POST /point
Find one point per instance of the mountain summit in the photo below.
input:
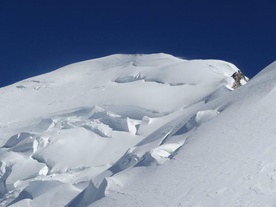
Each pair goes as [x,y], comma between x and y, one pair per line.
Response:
[139,130]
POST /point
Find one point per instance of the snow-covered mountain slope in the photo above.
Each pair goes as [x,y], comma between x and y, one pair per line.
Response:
[228,160]
[139,130]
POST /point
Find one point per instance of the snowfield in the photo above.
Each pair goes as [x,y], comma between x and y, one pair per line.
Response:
[139,130]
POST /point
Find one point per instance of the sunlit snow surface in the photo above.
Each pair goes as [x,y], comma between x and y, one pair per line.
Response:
[139,130]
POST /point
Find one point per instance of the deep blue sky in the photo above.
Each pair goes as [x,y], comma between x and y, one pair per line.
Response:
[39,36]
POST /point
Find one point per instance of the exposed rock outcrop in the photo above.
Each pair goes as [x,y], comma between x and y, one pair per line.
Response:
[238,76]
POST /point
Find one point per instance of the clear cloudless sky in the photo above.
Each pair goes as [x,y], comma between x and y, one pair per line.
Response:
[40,36]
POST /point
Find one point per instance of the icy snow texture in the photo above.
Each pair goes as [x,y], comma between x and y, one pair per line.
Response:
[139,130]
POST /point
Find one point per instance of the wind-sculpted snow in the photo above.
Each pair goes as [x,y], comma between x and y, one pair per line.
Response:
[228,158]
[89,133]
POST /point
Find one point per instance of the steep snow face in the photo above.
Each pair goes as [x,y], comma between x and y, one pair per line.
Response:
[227,159]
[92,129]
